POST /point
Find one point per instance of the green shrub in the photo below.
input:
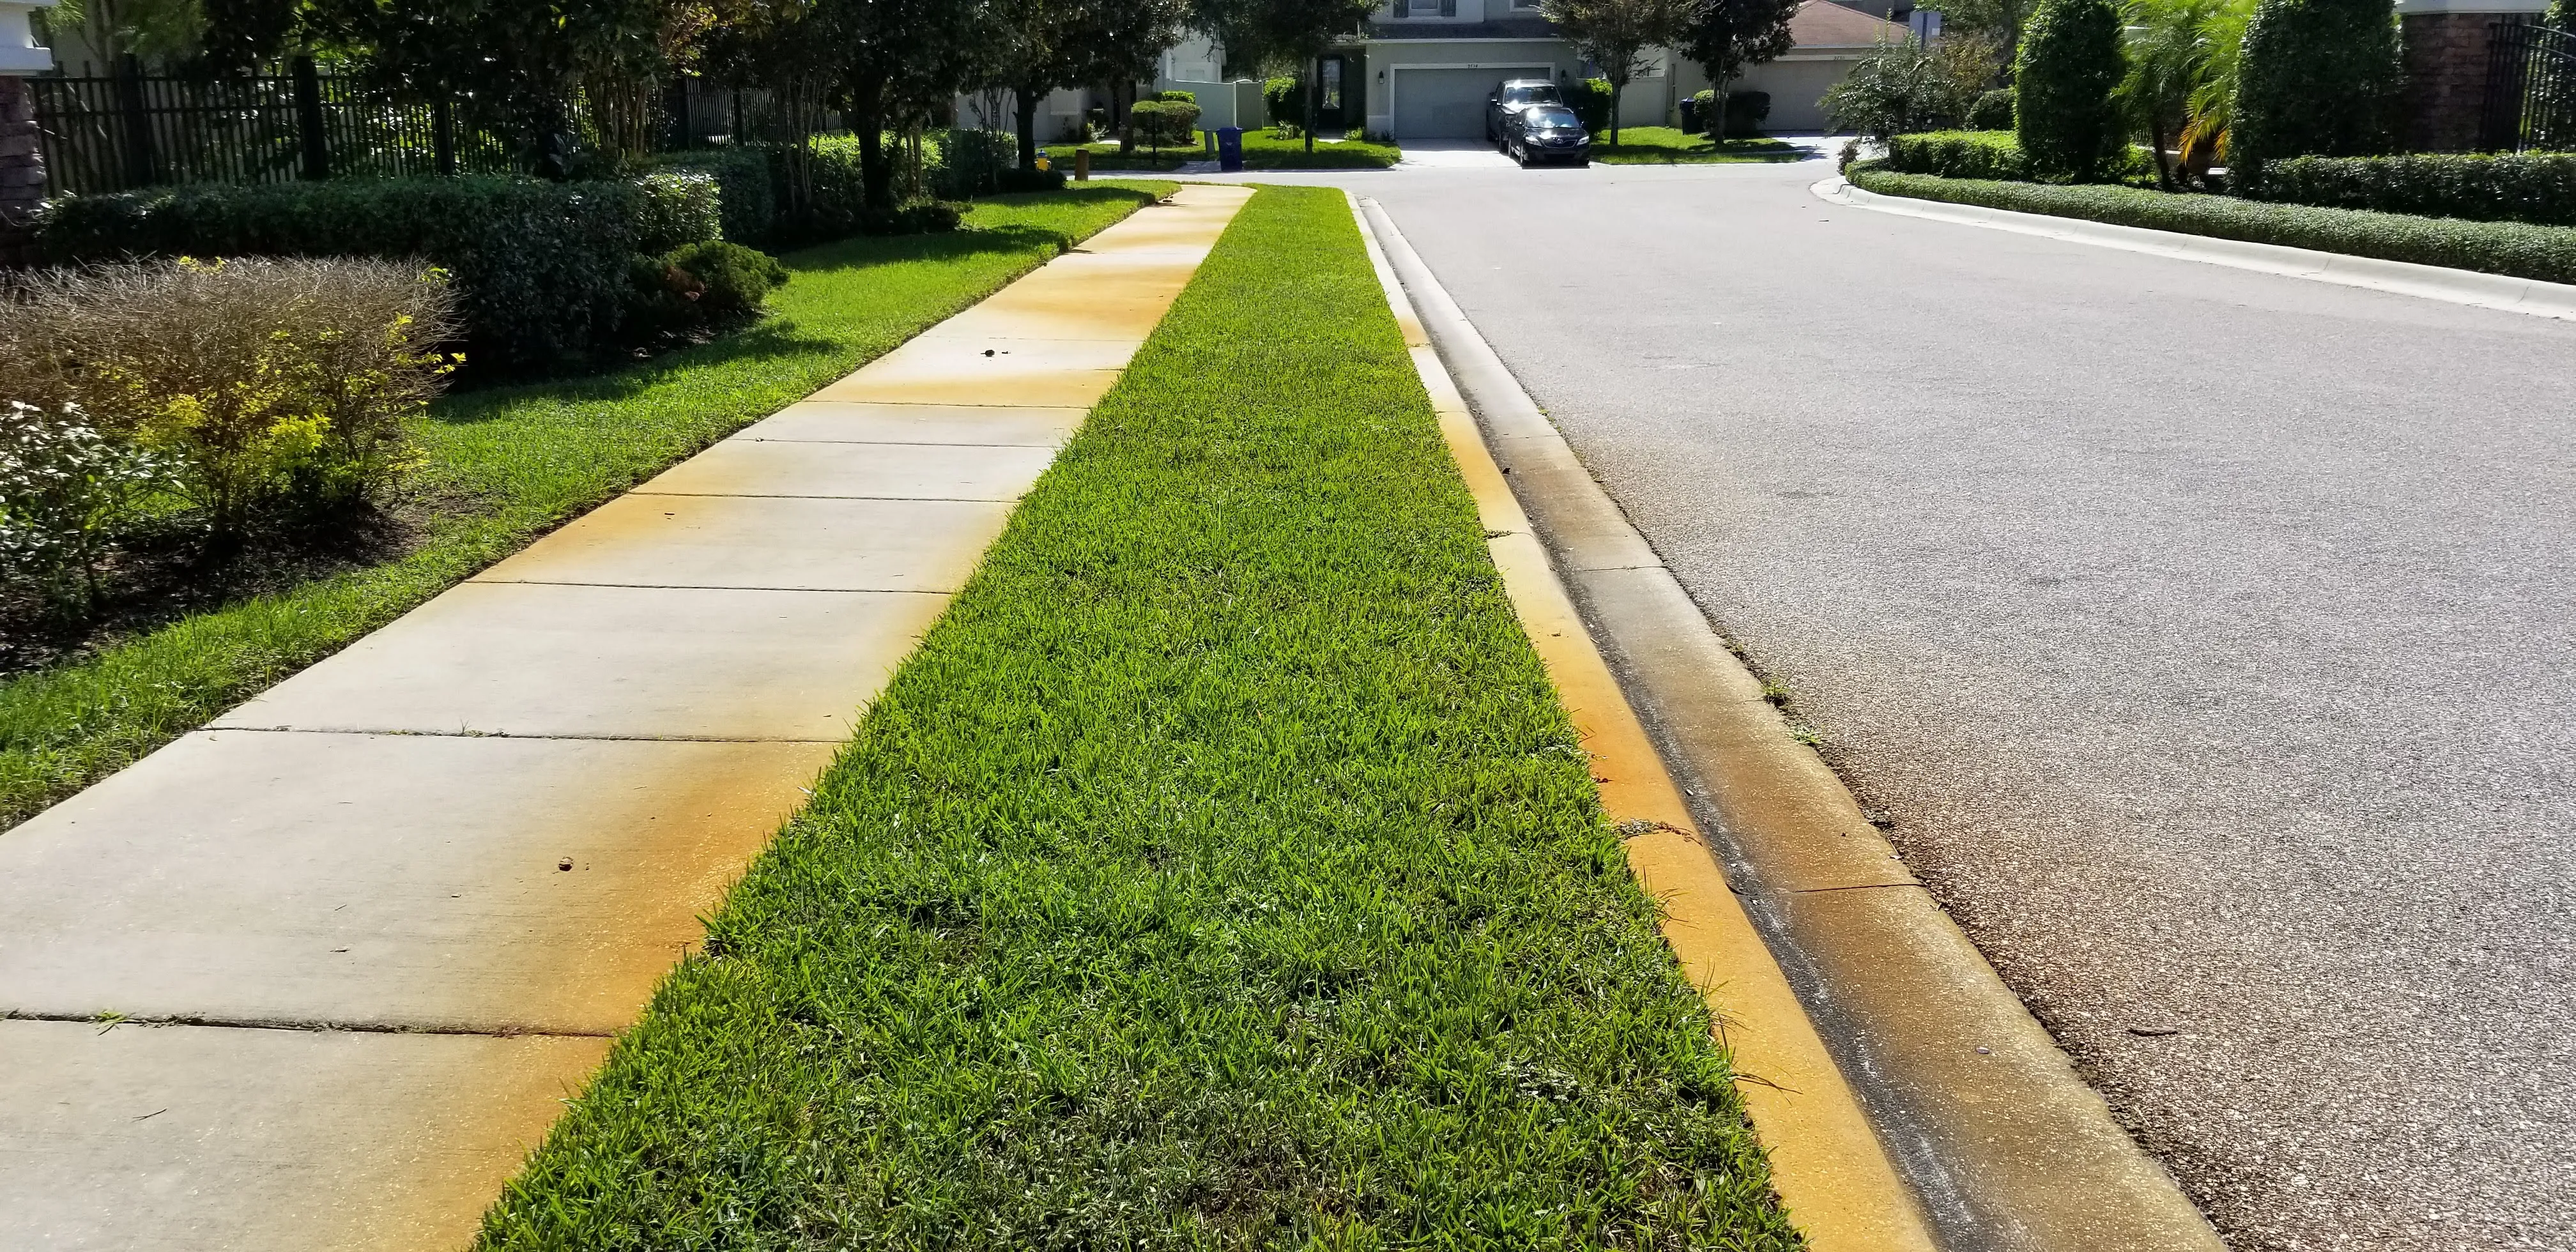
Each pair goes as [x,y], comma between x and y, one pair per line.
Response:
[732,279]
[1166,123]
[2070,63]
[539,269]
[1177,97]
[2537,187]
[2314,77]
[66,493]
[1591,100]
[972,163]
[1959,154]
[1901,88]
[1746,111]
[267,387]
[1992,111]
[2547,253]
[679,207]
[1990,154]
[1285,99]
[747,202]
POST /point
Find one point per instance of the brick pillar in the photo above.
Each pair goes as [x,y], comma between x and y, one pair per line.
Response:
[22,171]
[2446,68]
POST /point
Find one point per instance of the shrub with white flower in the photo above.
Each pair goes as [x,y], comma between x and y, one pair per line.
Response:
[65,492]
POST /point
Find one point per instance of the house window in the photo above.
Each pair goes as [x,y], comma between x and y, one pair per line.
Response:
[1333,83]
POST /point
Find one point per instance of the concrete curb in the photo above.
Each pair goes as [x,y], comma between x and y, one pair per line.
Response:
[2004,1144]
[2431,282]
[1826,1163]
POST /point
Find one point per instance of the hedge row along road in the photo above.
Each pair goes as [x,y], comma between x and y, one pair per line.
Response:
[1220,872]
[507,464]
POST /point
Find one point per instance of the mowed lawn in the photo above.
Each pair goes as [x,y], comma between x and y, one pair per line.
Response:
[505,465]
[1221,872]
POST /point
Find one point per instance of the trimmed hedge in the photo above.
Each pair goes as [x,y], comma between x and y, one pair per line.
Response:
[2517,249]
[2539,188]
[1591,100]
[746,189]
[2069,64]
[540,269]
[2315,78]
[1992,111]
[1990,154]
[1285,100]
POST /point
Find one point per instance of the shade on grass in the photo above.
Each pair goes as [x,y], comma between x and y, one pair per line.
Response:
[1220,872]
[507,464]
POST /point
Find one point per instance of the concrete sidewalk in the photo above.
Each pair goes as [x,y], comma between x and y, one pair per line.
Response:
[391,912]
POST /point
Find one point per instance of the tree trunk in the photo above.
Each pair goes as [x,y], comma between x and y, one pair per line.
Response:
[1717,104]
[867,122]
[1618,88]
[1314,97]
[2156,136]
[1025,115]
[1122,94]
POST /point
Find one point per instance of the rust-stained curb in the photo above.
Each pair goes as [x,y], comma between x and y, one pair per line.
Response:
[1826,1163]
[2003,1144]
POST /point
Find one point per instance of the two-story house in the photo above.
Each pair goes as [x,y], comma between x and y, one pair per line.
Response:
[1421,69]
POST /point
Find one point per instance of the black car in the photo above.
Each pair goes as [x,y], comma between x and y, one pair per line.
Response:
[1509,98]
[1546,132]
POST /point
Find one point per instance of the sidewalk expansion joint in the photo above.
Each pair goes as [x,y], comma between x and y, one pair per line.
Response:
[503,734]
[820,591]
[108,1023]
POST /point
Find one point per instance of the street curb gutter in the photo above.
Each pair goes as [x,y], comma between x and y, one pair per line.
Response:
[2431,282]
[2004,1144]
[1826,1163]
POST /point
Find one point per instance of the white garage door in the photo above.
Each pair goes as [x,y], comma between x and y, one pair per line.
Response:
[1444,104]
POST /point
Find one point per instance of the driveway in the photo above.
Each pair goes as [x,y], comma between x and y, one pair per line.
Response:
[2208,637]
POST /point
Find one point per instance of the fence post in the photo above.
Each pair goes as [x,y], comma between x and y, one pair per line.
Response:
[308,119]
[141,170]
[442,136]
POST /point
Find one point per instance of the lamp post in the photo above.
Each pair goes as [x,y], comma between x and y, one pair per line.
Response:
[22,160]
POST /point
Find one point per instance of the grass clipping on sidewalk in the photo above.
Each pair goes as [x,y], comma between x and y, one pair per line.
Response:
[1221,872]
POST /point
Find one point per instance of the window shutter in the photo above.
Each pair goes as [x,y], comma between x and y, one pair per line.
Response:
[1448,8]
[1403,9]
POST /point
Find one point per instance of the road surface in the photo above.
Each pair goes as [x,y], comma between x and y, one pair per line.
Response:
[2209,638]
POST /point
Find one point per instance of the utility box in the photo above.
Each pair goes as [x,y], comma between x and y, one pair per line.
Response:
[1229,149]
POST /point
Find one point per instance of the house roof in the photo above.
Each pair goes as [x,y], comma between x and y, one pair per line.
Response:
[1825,24]
[1531,26]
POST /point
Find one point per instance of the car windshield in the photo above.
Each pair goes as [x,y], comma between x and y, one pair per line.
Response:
[1535,93]
[1550,118]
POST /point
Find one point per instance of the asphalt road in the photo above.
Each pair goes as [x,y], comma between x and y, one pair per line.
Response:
[2210,638]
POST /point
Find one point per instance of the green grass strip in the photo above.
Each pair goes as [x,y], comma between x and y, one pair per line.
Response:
[2547,253]
[1261,151]
[512,463]
[1221,872]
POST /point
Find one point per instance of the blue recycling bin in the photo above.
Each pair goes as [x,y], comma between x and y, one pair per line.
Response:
[1229,149]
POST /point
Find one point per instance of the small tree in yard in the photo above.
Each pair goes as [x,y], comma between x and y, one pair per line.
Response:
[1726,36]
[1904,87]
[2314,76]
[2071,62]
[1293,32]
[1615,34]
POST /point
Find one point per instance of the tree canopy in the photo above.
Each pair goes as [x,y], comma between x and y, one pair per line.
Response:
[1615,35]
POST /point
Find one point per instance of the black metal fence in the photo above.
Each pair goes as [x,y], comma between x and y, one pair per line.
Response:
[2531,89]
[132,129]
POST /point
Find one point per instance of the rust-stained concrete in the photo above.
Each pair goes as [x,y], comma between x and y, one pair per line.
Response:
[377,847]
[194,1139]
[1836,1179]
[395,881]
[2003,1144]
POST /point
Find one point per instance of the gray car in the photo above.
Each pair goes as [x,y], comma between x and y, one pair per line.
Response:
[1510,97]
